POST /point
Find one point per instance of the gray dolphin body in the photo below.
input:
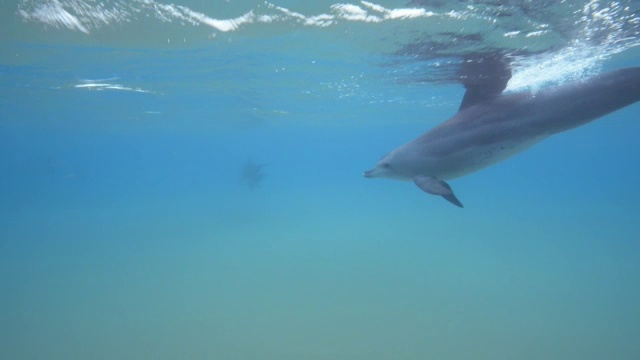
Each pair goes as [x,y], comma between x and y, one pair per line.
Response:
[493,128]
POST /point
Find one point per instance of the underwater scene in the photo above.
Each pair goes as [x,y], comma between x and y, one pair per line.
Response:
[244,180]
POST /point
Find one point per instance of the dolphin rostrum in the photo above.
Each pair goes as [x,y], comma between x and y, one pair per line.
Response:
[491,126]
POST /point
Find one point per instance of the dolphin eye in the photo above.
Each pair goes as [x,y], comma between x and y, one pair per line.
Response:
[386,165]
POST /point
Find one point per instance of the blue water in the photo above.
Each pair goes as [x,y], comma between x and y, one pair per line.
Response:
[126,231]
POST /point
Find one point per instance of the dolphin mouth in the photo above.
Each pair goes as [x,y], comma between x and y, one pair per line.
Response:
[369,173]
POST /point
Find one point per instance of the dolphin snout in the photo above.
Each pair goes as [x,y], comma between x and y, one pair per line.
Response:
[369,173]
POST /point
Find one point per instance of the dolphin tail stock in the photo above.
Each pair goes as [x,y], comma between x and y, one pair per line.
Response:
[435,186]
[611,91]
[580,102]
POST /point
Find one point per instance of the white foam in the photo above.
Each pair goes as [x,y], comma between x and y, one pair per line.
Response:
[85,84]
[583,56]
[536,33]
[54,14]
[221,25]
[354,13]
[85,16]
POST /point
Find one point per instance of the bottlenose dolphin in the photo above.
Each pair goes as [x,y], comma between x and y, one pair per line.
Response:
[252,174]
[491,126]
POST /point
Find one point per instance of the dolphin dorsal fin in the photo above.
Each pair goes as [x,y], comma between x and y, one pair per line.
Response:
[484,76]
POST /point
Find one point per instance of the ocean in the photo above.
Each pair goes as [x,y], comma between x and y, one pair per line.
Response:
[183,180]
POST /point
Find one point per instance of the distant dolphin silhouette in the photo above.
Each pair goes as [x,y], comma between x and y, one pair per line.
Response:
[252,174]
[491,126]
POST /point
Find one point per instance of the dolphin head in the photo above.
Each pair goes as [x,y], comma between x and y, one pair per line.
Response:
[380,170]
[394,165]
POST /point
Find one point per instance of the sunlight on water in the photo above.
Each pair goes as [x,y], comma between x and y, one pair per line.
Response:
[89,16]
[570,43]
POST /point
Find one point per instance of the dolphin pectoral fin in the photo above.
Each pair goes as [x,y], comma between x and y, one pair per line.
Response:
[453,199]
[434,186]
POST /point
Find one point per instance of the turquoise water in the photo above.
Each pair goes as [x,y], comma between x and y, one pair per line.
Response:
[126,231]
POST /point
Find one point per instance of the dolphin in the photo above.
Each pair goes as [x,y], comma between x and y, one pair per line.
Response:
[252,174]
[491,126]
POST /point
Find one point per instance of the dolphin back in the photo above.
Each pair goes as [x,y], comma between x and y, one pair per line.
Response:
[615,90]
[580,102]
